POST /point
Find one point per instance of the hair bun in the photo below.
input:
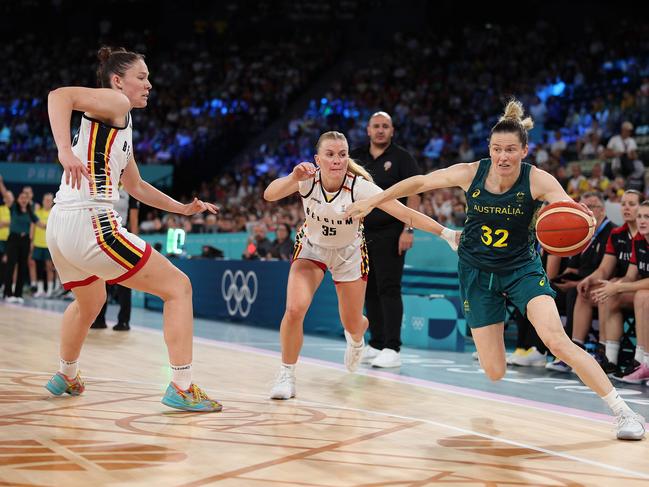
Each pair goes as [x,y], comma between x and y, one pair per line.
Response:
[106,52]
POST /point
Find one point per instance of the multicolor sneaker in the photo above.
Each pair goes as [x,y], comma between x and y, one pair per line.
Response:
[638,376]
[559,366]
[528,358]
[193,399]
[60,383]
[509,357]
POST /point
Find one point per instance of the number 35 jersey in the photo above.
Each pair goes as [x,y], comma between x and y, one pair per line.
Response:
[499,233]
[325,224]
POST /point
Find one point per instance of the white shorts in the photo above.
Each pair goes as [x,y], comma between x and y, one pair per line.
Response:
[87,244]
[346,264]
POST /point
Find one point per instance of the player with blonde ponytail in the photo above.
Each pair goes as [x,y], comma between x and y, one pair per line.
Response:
[497,254]
[329,242]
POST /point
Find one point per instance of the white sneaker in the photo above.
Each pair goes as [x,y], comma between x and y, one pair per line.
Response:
[629,426]
[353,352]
[15,300]
[528,358]
[369,354]
[284,387]
[40,294]
[387,358]
[475,356]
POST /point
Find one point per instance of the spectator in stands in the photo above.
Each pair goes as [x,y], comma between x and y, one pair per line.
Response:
[388,239]
[5,221]
[18,243]
[592,149]
[633,291]
[258,246]
[558,146]
[282,247]
[44,268]
[583,265]
[613,267]
[622,150]
[152,223]
[577,185]
[597,181]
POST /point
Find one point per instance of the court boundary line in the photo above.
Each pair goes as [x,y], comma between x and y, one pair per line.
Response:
[389,376]
[539,449]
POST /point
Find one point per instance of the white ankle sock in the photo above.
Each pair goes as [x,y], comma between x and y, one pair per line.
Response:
[639,354]
[616,403]
[182,375]
[289,367]
[69,368]
[612,351]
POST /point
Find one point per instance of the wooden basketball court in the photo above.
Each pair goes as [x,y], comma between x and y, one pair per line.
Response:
[344,430]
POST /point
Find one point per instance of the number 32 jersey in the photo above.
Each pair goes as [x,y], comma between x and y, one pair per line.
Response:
[499,233]
[325,224]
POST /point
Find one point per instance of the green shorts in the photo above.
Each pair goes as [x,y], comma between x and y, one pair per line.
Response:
[41,253]
[484,293]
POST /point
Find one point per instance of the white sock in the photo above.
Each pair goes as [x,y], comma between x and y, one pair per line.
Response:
[182,375]
[289,367]
[612,351]
[50,286]
[616,403]
[645,360]
[69,368]
[354,343]
[577,340]
[639,354]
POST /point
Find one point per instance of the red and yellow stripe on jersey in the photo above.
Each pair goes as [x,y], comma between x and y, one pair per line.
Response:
[100,144]
[113,243]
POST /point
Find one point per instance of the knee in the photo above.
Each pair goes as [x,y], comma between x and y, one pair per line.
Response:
[180,288]
[641,299]
[88,310]
[495,371]
[559,345]
[295,312]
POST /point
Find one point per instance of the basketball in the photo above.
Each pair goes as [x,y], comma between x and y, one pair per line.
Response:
[564,228]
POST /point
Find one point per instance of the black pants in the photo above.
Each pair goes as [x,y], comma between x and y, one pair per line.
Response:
[17,254]
[123,296]
[383,295]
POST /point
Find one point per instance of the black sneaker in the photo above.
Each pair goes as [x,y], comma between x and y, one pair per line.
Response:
[600,357]
[98,324]
[121,327]
[626,370]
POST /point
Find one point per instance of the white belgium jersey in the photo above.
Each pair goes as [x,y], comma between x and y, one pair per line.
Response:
[106,151]
[324,224]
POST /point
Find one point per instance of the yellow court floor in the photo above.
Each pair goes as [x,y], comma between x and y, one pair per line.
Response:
[342,430]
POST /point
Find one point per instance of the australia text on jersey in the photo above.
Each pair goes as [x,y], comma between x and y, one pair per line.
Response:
[498,210]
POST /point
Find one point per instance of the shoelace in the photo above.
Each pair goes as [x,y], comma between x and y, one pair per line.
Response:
[198,394]
[624,419]
[284,375]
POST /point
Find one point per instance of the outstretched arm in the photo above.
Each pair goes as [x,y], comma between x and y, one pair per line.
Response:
[416,219]
[101,102]
[286,186]
[147,194]
[457,175]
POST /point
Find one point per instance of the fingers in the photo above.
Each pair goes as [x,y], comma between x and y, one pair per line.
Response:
[67,175]
[212,208]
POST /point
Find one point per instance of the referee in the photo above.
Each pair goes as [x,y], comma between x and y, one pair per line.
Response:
[387,242]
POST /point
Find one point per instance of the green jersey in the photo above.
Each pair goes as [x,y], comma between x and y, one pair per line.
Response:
[499,232]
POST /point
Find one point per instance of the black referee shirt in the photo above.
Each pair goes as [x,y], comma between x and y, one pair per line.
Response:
[394,165]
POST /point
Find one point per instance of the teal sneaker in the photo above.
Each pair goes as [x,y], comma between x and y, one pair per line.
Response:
[60,383]
[193,399]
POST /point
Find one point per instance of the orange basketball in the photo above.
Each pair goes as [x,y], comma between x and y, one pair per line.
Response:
[564,228]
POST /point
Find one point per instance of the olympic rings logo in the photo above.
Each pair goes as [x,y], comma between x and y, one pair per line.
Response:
[239,291]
